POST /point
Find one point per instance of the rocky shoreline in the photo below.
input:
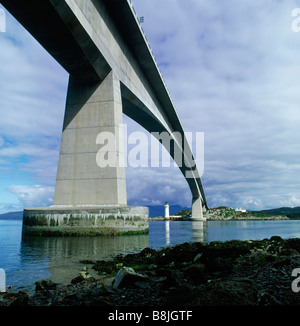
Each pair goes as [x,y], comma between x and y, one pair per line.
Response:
[223,213]
[249,218]
[221,218]
[230,273]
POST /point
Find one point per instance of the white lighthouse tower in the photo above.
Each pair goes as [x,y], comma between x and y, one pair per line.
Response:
[167,212]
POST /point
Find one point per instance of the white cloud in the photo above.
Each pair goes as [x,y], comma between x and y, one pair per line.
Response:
[156,186]
[33,196]
[32,99]
[33,91]
[232,71]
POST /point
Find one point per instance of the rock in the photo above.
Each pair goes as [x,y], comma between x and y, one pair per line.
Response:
[218,264]
[197,257]
[170,278]
[148,252]
[295,261]
[181,295]
[276,238]
[266,299]
[293,243]
[105,290]
[77,279]
[195,273]
[98,302]
[127,277]
[103,267]
[289,252]
[160,279]
[281,262]
[87,261]
[73,299]
[17,299]
[142,285]
[44,286]
[226,293]
[83,275]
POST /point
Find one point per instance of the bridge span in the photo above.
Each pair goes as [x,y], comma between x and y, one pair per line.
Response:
[102,46]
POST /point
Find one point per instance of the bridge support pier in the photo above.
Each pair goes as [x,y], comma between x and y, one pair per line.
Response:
[92,110]
[90,189]
[197,209]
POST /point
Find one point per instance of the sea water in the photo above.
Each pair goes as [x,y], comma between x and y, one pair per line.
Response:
[27,259]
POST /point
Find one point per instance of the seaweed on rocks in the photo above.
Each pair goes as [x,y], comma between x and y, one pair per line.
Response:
[254,272]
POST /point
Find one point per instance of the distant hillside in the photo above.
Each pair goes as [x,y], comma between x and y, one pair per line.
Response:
[12,216]
[293,213]
[184,213]
[224,213]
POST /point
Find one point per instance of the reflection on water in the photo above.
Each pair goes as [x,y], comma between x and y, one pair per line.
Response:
[60,256]
[198,231]
[169,233]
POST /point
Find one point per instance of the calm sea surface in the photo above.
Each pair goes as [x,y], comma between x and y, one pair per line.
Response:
[28,259]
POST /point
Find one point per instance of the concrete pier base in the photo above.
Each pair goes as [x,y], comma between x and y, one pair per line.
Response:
[86,221]
[197,210]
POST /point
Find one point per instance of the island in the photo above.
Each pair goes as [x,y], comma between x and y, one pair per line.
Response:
[223,213]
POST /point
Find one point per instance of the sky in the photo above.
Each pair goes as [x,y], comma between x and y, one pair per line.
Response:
[232,69]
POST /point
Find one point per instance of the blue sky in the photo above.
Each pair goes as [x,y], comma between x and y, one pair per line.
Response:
[233,71]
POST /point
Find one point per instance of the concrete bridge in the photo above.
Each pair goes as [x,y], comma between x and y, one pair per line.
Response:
[112,70]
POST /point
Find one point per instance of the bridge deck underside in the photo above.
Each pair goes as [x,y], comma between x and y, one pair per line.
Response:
[91,38]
